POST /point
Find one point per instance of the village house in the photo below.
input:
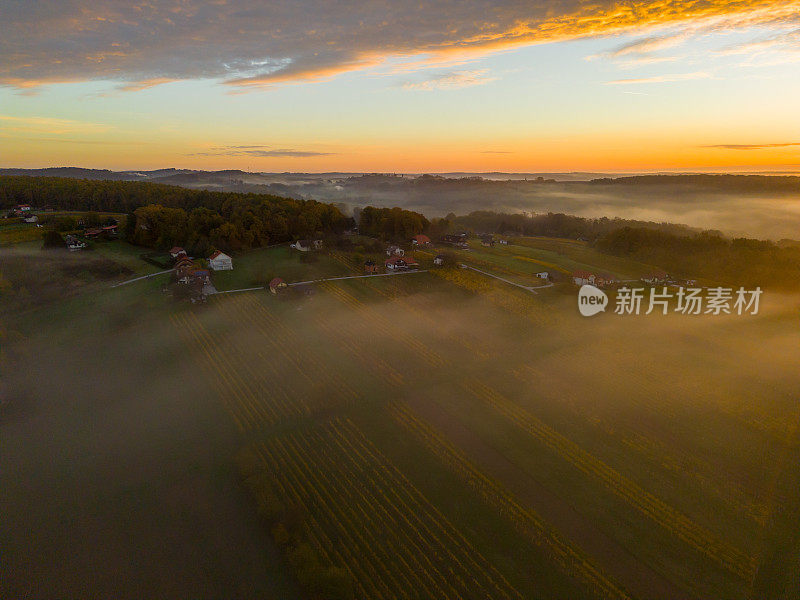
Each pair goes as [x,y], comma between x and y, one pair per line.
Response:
[487,240]
[302,245]
[110,231]
[306,245]
[411,262]
[583,278]
[220,261]
[396,263]
[423,241]
[603,280]
[370,266]
[656,278]
[177,251]
[74,243]
[395,251]
[31,219]
[277,285]
[23,208]
[503,242]
[183,269]
[457,241]
[92,234]
[543,275]
[438,260]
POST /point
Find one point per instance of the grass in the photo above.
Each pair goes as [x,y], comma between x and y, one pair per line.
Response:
[19,233]
[259,267]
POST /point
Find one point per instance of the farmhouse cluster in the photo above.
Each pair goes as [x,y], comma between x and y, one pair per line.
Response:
[193,276]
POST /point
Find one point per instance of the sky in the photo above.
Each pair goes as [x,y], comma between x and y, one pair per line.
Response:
[429,86]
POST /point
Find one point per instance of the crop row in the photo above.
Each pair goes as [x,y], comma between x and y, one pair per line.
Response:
[372,520]
[247,379]
[696,536]
[384,325]
[286,341]
[570,558]
[680,463]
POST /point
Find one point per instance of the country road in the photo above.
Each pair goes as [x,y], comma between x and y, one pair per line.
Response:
[531,289]
[140,278]
[263,287]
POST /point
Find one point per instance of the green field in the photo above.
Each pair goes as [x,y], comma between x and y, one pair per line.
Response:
[445,435]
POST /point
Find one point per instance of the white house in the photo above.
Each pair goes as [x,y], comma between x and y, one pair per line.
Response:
[220,262]
[31,219]
[543,275]
[438,260]
[395,251]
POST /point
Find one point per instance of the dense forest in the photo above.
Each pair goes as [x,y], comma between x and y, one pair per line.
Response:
[738,261]
[162,216]
[391,223]
[550,224]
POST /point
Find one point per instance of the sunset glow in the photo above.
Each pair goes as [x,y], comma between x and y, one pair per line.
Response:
[511,86]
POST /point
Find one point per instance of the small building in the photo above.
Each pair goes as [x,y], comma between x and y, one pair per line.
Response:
[23,208]
[31,219]
[396,263]
[370,266]
[438,260]
[543,275]
[317,244]
[201,276]
[503,242]
[302,245]
[93,233]
[583,278]
[656,278]
[219,261]
[487,240]
[73,243]
[277,285]
[395,251]
[421,240]
[411,262]
[456,241]
[603,280]
[110,231]
[177,251]
[183,269]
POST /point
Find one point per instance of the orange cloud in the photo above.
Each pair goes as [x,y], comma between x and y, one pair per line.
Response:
[251,44]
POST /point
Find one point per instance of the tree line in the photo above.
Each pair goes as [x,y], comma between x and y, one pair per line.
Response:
[549,225]
[162,216]
[709,255]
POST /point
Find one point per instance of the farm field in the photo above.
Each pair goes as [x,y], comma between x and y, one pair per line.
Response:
[436,435]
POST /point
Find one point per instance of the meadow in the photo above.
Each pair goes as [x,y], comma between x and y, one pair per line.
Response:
[440,434]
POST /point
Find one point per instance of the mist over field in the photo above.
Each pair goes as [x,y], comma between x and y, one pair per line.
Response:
[136,426]
[768,215]
[759,206]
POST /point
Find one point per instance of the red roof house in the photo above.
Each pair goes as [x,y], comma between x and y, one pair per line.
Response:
[396,263]
[421,240]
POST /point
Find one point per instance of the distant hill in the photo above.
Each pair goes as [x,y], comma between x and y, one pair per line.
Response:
[726,183]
